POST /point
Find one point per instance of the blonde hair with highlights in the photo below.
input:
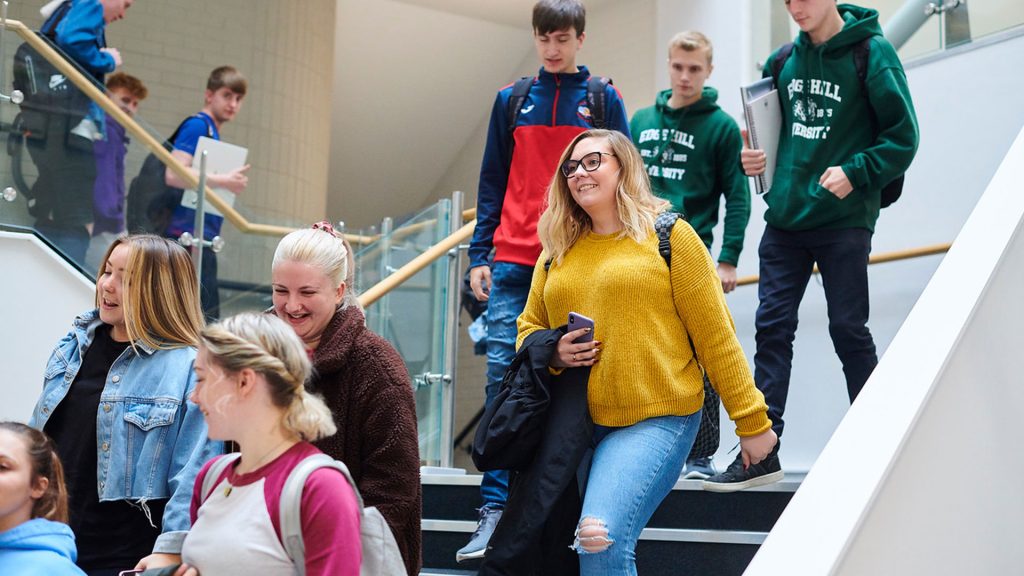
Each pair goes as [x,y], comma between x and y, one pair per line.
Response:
[564,221]
[690,41]
[269,347]
[160,296]
[319,248]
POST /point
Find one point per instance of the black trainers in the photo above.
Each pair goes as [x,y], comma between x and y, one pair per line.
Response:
[735,478]
[477,546]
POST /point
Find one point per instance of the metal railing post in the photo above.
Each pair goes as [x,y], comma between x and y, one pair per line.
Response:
[386,228]
[906,22]
[451,336]
[200,223]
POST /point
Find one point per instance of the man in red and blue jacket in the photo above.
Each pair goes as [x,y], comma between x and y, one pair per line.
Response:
[517,169]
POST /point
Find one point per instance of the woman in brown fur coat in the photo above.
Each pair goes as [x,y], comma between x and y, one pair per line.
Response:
[361,377]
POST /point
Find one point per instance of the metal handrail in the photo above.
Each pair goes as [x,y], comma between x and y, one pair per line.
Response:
[100,98]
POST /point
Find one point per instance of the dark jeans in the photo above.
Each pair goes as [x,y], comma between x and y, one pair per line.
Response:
[62,193]
[787,260]
[510,285]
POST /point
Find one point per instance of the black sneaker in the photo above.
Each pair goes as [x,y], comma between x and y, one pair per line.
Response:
[735,478]
[477,546]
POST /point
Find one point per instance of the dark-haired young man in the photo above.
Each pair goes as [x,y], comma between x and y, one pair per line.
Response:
[844,138]
[517,168]
[225,89]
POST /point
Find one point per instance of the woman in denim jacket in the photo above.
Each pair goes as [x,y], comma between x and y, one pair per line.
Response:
[115,400]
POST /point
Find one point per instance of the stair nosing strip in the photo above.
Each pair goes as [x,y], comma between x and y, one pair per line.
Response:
[652,534]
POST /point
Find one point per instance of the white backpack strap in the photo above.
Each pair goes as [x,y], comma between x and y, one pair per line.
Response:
[214,471]
[291,505]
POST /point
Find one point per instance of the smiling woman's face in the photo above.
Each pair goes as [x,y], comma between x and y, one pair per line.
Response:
[305,298]
[594,191]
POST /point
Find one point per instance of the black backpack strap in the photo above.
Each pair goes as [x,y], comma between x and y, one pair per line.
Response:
[547,264]
[515,102]
[597,100]
[781,55]
[861,52]
[663,228]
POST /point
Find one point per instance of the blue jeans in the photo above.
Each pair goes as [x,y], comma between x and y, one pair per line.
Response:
[787,259]
[631,472]
[510,285]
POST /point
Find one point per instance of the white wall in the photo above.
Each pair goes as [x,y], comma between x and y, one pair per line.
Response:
[41,295]
[922,476]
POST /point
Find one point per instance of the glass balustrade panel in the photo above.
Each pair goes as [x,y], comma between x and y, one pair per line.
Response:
[411,317]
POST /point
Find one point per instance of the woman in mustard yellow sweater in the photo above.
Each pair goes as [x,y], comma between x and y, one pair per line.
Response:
[645,391]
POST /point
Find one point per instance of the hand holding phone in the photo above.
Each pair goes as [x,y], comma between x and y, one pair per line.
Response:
[577,321]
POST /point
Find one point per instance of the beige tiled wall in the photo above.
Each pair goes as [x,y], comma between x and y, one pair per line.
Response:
[286,50]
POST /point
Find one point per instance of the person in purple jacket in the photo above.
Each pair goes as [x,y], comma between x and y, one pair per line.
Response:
[108,198]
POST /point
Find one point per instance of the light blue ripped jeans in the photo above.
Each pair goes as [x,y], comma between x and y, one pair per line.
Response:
[633,469]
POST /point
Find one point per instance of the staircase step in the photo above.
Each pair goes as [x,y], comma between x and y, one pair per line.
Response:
[693,531]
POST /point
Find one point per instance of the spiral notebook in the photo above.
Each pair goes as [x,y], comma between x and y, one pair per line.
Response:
[763,114]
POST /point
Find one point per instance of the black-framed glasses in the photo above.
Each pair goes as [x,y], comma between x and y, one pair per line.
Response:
[590,162]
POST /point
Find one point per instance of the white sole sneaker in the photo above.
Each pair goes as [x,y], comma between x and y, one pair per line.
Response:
[460,557]
[725,487]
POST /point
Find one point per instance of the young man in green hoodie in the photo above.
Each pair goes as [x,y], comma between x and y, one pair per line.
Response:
[691,148]
[843,139]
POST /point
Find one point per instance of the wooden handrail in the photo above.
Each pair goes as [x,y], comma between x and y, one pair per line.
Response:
[99,97]
[416,264]
[876,259]
[441,248]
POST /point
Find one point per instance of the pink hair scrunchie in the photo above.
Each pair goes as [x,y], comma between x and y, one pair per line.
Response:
[325,226]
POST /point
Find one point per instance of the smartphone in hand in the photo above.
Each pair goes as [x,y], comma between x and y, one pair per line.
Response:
[577,321]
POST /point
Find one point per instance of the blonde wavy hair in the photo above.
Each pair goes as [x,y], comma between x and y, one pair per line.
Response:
[268,346]
[160,295]
[564,221]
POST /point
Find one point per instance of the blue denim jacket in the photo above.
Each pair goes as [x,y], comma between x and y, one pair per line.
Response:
[151,439]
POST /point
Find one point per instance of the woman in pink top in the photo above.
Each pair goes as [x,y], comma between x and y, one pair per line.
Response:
[250,372]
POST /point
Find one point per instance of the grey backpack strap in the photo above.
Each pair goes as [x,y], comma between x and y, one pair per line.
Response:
[214,471]
[291,505]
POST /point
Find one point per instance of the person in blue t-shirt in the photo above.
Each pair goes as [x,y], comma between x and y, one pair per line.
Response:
[225,90]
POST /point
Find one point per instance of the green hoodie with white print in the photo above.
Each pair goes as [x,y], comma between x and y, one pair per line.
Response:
[692,155]
[827,121]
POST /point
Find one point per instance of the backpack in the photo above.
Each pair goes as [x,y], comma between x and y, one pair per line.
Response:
[47,94]
[597,101]
[46,90]
[151,201]
[706,443]
[380,550]
[861,51]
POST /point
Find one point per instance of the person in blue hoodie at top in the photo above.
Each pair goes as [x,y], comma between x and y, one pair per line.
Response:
[115,401]
[35,539]
[62,150]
